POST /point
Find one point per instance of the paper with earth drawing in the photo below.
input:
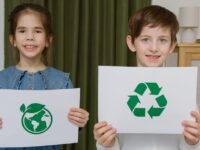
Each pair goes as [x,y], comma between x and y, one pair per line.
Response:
[37,118]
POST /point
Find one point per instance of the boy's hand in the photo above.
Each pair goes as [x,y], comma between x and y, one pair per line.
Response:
[192,129]
[78,116]
[1,123]
[104,134]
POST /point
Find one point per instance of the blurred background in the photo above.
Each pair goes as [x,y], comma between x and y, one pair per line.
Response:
[87,33]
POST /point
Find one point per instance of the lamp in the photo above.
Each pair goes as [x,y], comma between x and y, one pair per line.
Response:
[188,20]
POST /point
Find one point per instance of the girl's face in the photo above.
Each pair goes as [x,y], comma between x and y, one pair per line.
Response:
[30,37]
[152,46]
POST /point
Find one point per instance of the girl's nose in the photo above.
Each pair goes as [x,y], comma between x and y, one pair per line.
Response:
[29,36]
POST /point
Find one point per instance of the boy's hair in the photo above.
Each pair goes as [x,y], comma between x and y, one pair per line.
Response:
[153,16]
[31,8]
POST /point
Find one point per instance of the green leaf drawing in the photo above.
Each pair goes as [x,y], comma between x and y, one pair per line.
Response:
[35,107]
[22,108]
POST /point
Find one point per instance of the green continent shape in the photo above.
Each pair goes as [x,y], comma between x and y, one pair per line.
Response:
[28,124]
[38,118]
[154,88]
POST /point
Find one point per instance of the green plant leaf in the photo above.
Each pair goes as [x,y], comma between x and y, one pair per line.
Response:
[35,107]
[22,108]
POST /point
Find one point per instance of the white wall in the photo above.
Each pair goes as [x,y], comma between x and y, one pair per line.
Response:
[174,6]
[2,34]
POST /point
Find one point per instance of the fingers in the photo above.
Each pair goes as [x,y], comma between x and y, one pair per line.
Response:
[192,129]
[99,125]
[78,116]
[190,138]
[108,142]
[104,134]
[196,116]
[100,129]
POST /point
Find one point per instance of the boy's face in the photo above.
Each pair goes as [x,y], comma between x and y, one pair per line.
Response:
[152,46]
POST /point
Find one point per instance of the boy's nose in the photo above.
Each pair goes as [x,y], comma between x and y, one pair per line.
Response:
[154,47]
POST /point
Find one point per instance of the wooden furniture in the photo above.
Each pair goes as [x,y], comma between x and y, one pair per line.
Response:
[188,53]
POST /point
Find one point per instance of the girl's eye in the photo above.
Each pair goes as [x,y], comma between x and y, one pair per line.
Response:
[38,31]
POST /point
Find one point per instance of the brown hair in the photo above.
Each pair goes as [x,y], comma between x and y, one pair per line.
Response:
[31,8]
[154,16]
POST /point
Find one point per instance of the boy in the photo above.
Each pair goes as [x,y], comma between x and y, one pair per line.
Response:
[152,35]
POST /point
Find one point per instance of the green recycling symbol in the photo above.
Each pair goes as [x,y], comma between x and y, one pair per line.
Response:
[154,90]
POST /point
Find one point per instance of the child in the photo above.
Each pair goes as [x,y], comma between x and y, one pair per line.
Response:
[31,34]
[152,35]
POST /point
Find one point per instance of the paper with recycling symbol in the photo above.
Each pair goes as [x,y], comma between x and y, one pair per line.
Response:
[146,100]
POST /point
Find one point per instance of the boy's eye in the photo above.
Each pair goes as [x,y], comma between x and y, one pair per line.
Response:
[21,31]
[145,39]
[163,40]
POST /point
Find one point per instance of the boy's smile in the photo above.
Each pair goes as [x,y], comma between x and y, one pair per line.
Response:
[153,46]
[153,58]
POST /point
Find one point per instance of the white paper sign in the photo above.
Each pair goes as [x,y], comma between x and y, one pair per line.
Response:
[37,118]
[146,100]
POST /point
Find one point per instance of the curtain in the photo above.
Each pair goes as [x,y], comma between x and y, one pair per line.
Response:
[87,33]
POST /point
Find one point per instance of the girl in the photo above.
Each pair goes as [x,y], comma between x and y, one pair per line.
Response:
[152,35]
[30,34]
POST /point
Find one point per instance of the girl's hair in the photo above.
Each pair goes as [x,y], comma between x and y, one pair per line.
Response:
[153,16]
[31,8]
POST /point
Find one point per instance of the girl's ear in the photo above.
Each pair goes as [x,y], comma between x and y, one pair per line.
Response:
[12,41]
[173,46]
[129,43]
[50,39]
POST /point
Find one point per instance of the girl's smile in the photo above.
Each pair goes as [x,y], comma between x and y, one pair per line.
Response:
[30,48]
[30,37]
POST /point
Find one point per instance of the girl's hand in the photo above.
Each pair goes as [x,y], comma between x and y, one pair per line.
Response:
[104,134]
[1,123]
[78,116]
[192,129]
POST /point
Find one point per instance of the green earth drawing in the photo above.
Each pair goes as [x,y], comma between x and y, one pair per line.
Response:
[36,118]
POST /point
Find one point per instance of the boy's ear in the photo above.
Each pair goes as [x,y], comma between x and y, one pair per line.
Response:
[173,46]
[129,43]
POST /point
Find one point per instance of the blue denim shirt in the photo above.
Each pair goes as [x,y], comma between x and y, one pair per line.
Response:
[50,78]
